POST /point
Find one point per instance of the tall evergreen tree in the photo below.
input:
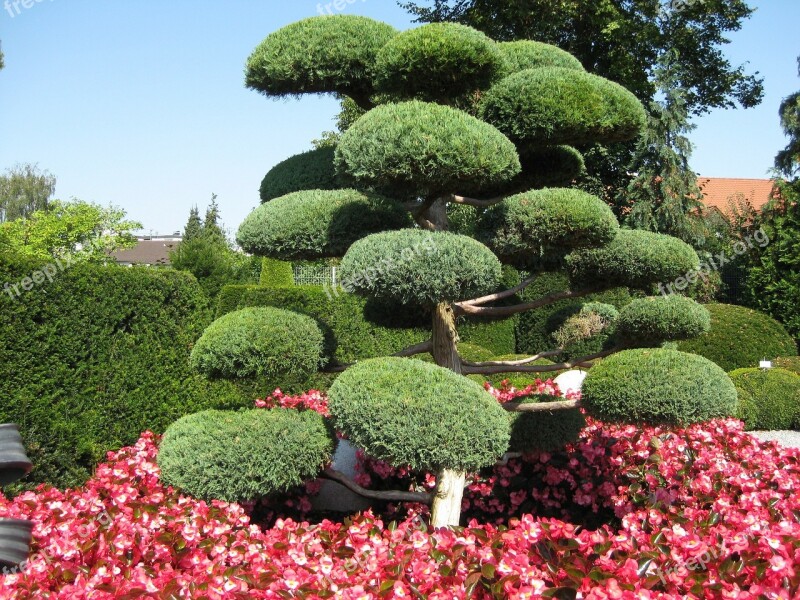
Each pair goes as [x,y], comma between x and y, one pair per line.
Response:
[194,226]
[788,160]
[211,226]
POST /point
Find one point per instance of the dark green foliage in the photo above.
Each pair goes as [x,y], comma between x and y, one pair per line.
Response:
[448,152]
[790,363]
[319,55]
[420,267]
[524,229]
[637,259]
[769,399]
[739,338]
[244,456]
[357,329]
[552,105]
[317,223]
[474,353]
[527,54]
[276,273]
[99,355]
[439,62]
[658,387]
[517,380]
[535,328]
[544,431]
[259,343]
[312,170]
[652,321]
[408,412]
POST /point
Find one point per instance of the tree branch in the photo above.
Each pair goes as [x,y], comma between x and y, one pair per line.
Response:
[475,202]
[541,406]
[514,363]
[584,361]
[500,295]
[389,495]
[464,308]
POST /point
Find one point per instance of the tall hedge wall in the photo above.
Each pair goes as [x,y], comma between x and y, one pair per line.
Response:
[99,355]
[355,328]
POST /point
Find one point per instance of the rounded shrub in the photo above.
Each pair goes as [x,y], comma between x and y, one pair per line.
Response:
[319,55]
[264,343]
[769,399]
[552,105]
[544,431]
[740,338]
[312,170]
[635,258]
[423,149]
[437,62]
[607,312]
[528,54]
[246,455]
[317,223]
[420,267]
[657,386]
[790,363]
[408,412]
[651,321]
[524,228]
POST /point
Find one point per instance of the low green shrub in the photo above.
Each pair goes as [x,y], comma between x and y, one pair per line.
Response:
[408,412]
[544,431]
[98,355]
[658,386]
[790,363]
[740,338]
[246,455]
[652,321]
[769,399]
[357,329]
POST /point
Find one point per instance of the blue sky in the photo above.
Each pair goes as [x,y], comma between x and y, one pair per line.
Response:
[142,104]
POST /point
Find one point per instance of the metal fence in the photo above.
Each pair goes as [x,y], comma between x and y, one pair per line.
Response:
[315,275]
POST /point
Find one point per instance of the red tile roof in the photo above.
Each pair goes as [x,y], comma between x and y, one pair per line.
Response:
[146,252]
[718,192]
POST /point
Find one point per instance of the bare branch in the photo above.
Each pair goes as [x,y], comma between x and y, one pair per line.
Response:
[584,361]
[500,295]
[541,406]
[475,202]
[514,363]
[388,495]
[464,308]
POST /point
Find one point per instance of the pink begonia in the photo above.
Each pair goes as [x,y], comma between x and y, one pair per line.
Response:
[624,512]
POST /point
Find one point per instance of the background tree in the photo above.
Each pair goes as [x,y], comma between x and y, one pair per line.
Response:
[788,160]
[25,189]
[87,231]
[451,119]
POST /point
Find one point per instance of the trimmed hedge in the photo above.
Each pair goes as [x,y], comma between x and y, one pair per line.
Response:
[769,399]
[411,413]
[312,170]
[357,329]
[420,267]
[244,456]
[535,328]
[99,355]
[652,321]
[527,54]
[740,338]
[635,258]
[319,55]
[316,224]
[262,343]
[552,105]
[449,151]
[276,273]
[790,363]
[525,228]
[438,62]
[544,431]
[657,386]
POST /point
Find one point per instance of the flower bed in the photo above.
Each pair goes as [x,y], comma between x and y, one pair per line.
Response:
[705,512]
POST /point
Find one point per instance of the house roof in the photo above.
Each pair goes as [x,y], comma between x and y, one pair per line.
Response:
[719,191]
[146,252]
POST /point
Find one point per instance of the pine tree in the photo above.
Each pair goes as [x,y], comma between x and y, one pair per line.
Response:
[194,226]
[211,227]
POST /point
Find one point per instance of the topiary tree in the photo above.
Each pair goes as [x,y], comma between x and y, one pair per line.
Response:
[453,119]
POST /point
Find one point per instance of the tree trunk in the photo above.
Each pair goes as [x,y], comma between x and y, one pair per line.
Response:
[445,338]
[446,509]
